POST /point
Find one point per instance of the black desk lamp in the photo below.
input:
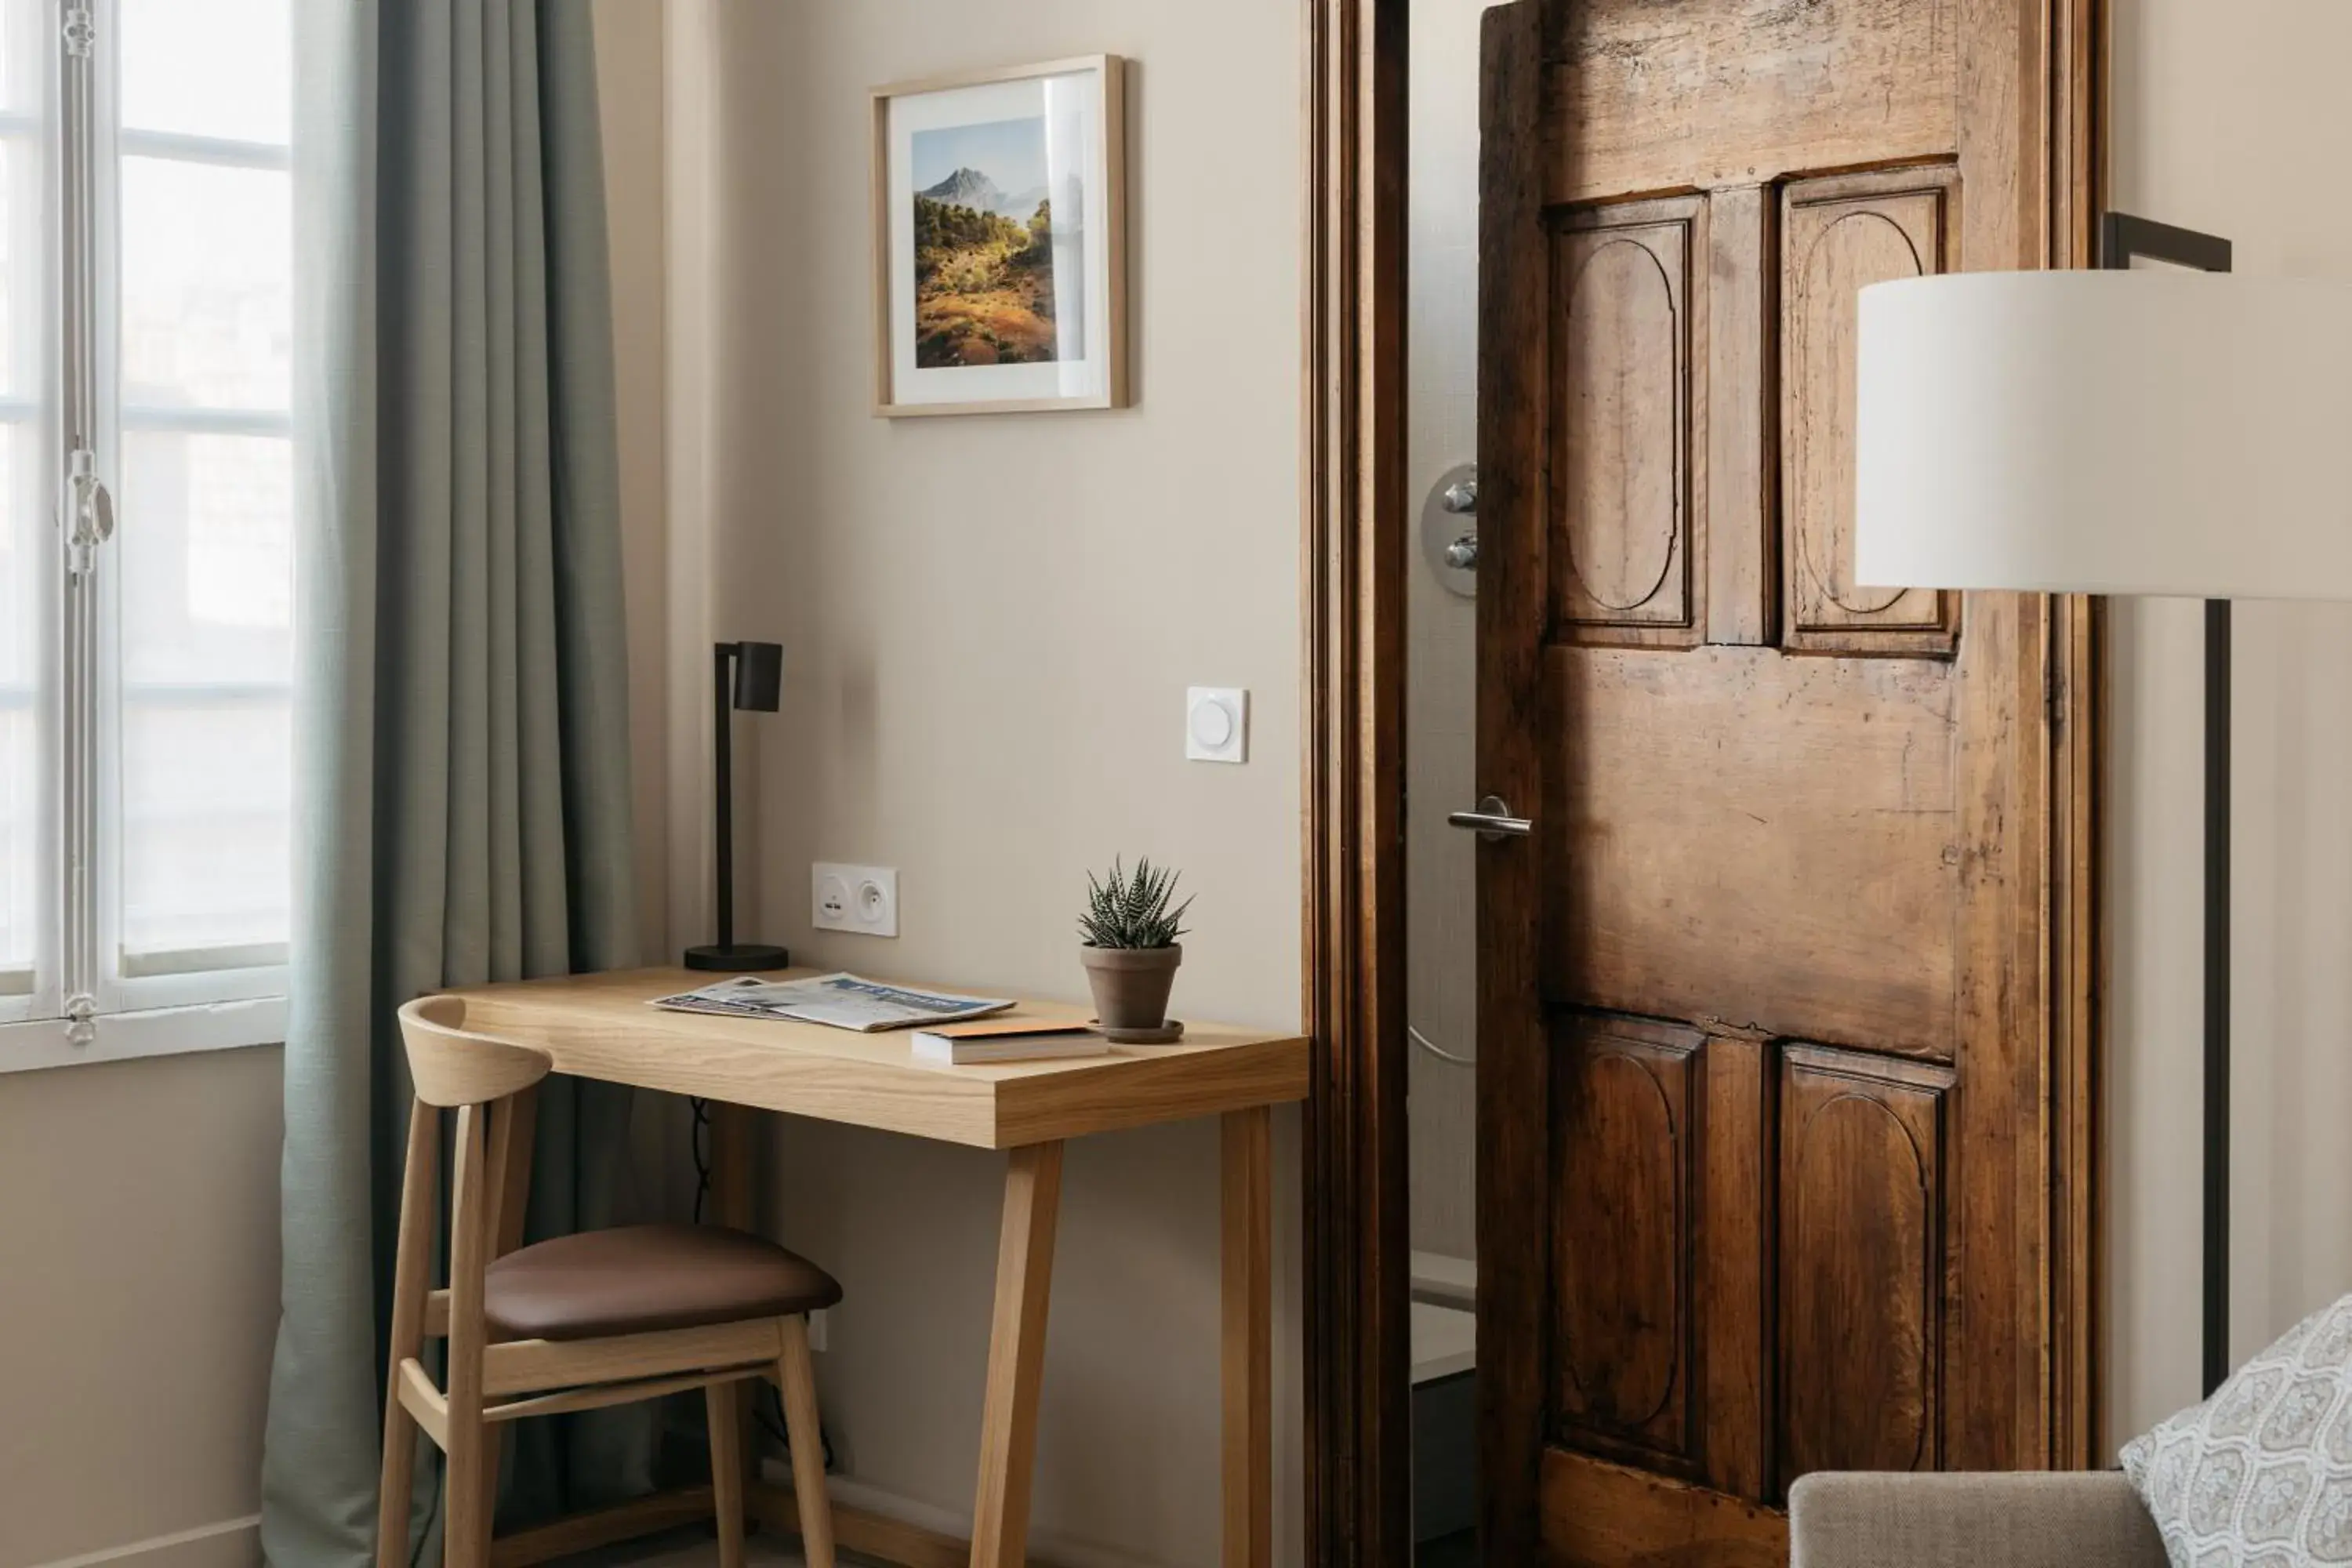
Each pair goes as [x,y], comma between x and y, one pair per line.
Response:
[756,687]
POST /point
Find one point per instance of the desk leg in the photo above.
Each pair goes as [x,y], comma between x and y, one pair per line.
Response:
[1016,1356]
[1248,1379]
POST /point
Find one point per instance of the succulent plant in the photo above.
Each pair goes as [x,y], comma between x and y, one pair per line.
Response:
[1130,909]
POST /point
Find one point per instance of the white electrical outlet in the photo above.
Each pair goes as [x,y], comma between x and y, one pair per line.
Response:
[816,1331]
[862,900]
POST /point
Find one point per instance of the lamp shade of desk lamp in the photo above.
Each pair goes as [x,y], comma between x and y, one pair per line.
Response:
[2130,432]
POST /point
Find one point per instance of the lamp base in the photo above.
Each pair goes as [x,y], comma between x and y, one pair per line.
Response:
[740,958]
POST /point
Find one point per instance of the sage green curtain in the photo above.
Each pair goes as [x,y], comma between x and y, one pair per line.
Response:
[463,799]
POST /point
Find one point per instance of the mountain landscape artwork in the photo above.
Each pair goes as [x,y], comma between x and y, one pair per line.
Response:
[983,254]
[1000,230]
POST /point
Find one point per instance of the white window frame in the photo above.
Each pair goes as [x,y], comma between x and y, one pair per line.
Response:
[87,1000]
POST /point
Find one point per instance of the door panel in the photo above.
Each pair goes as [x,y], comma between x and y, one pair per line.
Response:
[1861,1275]
[1596,1511]
[1756,840]
[1839,236]
[1717,92]
[1627,1135]
[1629,406]
[1765,1001]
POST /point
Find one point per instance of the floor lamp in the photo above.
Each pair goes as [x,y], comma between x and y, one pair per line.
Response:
[2127,431]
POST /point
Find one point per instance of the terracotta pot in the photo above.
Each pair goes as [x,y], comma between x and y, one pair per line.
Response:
[1131,984]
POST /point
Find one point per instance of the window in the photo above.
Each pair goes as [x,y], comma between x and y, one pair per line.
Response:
[146,523]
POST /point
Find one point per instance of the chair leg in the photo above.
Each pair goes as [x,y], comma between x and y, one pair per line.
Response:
[798,1375]
[399,1481]
[723,1402]
[494,1444]
[465,1531]
[411,1282]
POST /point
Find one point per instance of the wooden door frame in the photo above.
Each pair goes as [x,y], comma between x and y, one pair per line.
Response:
[1358,1458]
[1352,1160]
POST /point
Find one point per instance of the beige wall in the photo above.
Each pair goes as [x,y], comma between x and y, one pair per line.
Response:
[989,627]
[139,1301]
[2231,119]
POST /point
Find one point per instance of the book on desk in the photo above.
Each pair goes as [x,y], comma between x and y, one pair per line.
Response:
[985,1040]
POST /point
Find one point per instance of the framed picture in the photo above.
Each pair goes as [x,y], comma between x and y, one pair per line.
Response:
[1000,218]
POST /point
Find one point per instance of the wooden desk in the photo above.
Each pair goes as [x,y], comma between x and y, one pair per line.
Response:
[598,1027]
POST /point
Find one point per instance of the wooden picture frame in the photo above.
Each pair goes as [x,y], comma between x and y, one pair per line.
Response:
[980,320]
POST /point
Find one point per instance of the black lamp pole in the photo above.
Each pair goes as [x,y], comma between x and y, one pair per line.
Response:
[2123,239]
[749,677]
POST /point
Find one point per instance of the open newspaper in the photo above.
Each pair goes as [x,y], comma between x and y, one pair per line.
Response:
[844,1000]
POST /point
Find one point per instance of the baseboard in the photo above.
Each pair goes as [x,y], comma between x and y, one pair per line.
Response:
[1444,1282]
[1044,1546]
[231,1543]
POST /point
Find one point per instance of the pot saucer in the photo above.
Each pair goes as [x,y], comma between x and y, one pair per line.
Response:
[1168,1033]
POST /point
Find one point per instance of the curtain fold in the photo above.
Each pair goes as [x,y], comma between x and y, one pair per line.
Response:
[462,720]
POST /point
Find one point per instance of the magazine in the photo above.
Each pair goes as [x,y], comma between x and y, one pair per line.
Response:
[843,1000]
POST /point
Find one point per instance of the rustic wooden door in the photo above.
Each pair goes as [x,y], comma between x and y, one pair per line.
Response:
[1777,1120]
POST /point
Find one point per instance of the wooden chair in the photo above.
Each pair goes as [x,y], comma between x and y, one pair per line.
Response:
[576,1323]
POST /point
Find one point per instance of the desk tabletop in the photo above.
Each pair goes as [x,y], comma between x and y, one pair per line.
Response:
[600,1026]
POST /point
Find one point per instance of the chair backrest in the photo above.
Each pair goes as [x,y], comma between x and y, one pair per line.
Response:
[486,1081]
[453,1066]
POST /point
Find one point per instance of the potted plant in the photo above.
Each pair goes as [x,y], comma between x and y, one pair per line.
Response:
[1130,950]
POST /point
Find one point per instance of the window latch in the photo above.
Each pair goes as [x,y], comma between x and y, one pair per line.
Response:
[93,513]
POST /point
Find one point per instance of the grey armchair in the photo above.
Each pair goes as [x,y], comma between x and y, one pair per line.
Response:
[2080,1519]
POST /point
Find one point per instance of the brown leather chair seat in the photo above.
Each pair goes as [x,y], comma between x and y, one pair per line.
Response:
[639,1278]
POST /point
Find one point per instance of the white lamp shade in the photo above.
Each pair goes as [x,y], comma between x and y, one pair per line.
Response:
[2144,432]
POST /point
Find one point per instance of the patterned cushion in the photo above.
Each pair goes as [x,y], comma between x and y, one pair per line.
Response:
[2260,1476]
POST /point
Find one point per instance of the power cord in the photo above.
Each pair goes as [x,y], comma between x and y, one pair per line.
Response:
[701,1144]
[1434,1049]
[770,1409]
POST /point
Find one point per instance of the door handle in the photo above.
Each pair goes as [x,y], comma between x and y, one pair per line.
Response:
[1492,821]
